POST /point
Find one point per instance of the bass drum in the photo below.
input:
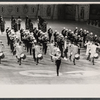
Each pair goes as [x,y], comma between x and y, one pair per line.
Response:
[40,56]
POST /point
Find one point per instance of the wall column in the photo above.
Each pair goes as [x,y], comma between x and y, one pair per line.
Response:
[82,12]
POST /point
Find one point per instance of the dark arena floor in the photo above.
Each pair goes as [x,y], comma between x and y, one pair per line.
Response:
[45,72]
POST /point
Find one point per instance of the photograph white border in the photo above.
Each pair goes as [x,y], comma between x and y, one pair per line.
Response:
[50,91]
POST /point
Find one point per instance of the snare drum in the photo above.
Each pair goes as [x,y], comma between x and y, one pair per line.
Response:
[23,56]
[2,55]
[96,56]
[77,56]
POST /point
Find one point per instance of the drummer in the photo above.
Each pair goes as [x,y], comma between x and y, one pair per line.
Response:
[93,51]
[38,50]
[19,51]
[1,49]
[1,46]
[74,50]
[57,57]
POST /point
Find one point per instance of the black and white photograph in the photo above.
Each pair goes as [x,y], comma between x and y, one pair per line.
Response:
[49,43]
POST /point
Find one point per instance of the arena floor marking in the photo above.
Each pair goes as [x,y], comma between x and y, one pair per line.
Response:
[82,73]
[39,73]
[47,73]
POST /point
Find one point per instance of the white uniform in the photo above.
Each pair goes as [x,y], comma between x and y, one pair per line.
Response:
[1,47]
[88,44]
[93,50]
[38,50]
[69,49]
[19,50]
[57,54]
[74,50]
[51,48]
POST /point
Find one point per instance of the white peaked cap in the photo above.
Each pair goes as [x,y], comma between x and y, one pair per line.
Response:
[7,26]
[69,29]
[58,33]
[12,33]
[63,27]
[58,50]
[72,32]
[76,27]
[27,31]
[61,35]
[12,30]
[85,30]
[16,36]
[49,26]
[34,40]
[91,33]
[39,30]
[43,33]
[95,35]
[80,28]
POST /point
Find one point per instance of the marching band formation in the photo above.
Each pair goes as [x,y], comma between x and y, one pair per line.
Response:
[39,41]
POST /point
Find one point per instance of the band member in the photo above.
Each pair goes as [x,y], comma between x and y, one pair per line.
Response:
[27,22]
[15,26]
[33,48]
[76,30]
[1,50]
[93,51]
[74,50]
[51,49]
[42,25]
[88,49]
[41,20]
[57,57]
[2,25]
[55,34]
[84,36]
[11,36]
[38,50]
[30,42]
[7,34]
[44,42]
[31,27]
[63,32]
[50,32]
[12,22]
[65,50]
[69,50]
[1,46]
[19,51]
[19,22]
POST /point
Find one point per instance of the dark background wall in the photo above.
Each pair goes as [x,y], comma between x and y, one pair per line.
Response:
[50,11]
[31,10]
[66,12]
[95,11]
